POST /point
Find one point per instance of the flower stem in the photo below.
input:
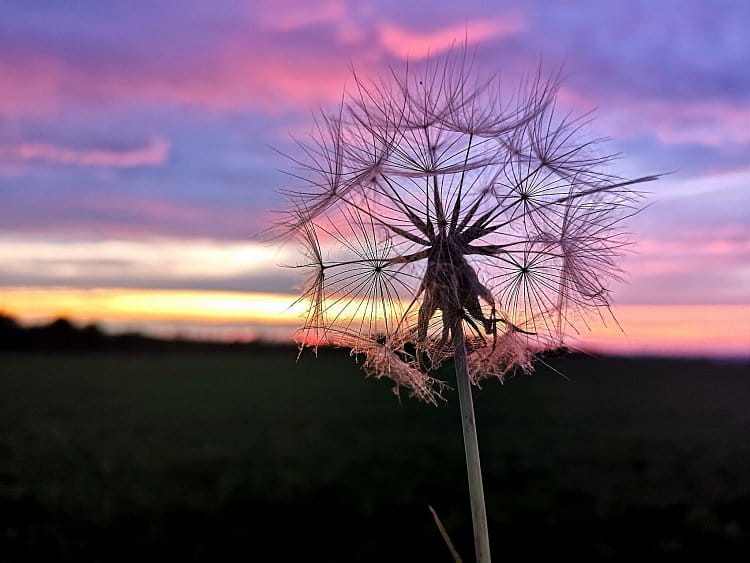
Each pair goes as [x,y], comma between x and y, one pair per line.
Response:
[471,448]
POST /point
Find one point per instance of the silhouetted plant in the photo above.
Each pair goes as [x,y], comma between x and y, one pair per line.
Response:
[442,218]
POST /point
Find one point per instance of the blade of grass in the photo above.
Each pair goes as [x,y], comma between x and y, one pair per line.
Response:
[446,537]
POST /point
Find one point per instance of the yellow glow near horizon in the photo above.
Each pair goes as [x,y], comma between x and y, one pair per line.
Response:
[711,329]
[210,307]
[150,305]
[690,329]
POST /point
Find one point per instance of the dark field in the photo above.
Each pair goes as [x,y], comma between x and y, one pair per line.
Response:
[189,457]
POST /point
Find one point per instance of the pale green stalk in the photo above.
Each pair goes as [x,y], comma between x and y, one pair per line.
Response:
[471,449]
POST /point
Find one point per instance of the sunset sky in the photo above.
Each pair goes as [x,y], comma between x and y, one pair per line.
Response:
[137,161]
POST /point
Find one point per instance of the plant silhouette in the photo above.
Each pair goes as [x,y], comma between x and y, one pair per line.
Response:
[443,216]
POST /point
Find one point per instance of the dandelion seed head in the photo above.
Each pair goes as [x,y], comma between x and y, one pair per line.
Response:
[432,201]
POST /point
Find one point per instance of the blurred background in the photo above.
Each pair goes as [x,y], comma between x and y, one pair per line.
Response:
[139,158]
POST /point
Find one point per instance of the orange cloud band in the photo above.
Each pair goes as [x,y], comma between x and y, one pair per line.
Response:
[652,329]
[149,305]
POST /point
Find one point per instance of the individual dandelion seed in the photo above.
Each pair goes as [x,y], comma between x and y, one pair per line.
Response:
[441,218]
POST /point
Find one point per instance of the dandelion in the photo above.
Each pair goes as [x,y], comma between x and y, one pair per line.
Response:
[441,218]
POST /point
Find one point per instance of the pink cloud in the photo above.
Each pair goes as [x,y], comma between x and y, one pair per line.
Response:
[729,242]
[153,154]
[690,330]
[710,122]
[237,75]
[25,86]
[405,43]
[701,266]
[696,250]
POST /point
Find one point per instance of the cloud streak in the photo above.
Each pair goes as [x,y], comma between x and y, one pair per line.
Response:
[155,153]
[411,44]
[151,262]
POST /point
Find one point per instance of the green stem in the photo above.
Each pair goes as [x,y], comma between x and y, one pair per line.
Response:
[471,448]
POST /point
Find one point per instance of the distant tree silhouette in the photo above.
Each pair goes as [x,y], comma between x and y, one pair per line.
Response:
[62,335]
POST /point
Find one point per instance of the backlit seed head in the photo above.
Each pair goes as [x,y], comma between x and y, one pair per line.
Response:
[432,200]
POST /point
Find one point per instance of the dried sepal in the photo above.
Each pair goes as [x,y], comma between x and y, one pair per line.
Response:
[510,351]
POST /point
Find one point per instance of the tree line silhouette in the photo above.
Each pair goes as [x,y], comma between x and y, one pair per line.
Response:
[63,335]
